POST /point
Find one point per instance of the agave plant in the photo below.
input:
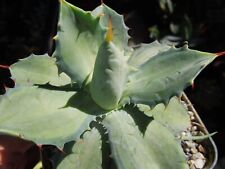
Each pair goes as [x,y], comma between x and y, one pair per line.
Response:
[96,91]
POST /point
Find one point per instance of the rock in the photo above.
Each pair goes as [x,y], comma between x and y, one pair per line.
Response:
[194,128]
[187,150]
[201,149]
[190,113]
[194,133]
[192,166]
[199,163]
[198,156]
[190,144]
[188,134]
[189,129]
[183,133]
[194,150]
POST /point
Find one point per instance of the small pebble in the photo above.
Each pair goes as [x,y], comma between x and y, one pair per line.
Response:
[185,105]
[191,162]
[189,155]
[192,166]
[178,137]
[188,134]
[183,133]
[194,150]
[190,113]
[197,156]
[194,128]
[195,133]
[192,117]
[190,144]
[187,150]
[201,149]
[183,102]
[197,124]
[189,129]
[199,163]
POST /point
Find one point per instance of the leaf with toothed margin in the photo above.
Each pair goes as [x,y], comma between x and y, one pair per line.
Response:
[157,149]
[164,75]
[78,39]
[174,116]
[85,153]
[62,80]
[109,76]
[120,30]
[166,149]
[37,69]
[41,115]
[144,52]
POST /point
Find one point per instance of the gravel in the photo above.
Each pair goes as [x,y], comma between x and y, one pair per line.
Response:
[194,151]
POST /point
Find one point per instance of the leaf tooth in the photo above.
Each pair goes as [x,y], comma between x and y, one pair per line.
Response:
[126,27]
[61,150]
[55,37]
[4,66]
[123,105]
[156,42]
[173,47]
[220,54]
[185,46]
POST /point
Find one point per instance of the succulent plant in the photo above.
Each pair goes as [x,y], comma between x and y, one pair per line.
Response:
[96,91]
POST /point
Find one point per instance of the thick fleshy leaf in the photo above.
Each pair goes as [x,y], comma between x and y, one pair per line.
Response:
[40,115]
[173,116]
[165,148]
[144,52]
[130,149]
[83,101]
[109,77]
[61,80]
[36,69]
[120,30]
[85,153]
[78,39]
[164,75]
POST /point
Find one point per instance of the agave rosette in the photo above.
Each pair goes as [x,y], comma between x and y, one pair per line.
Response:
[94,73]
